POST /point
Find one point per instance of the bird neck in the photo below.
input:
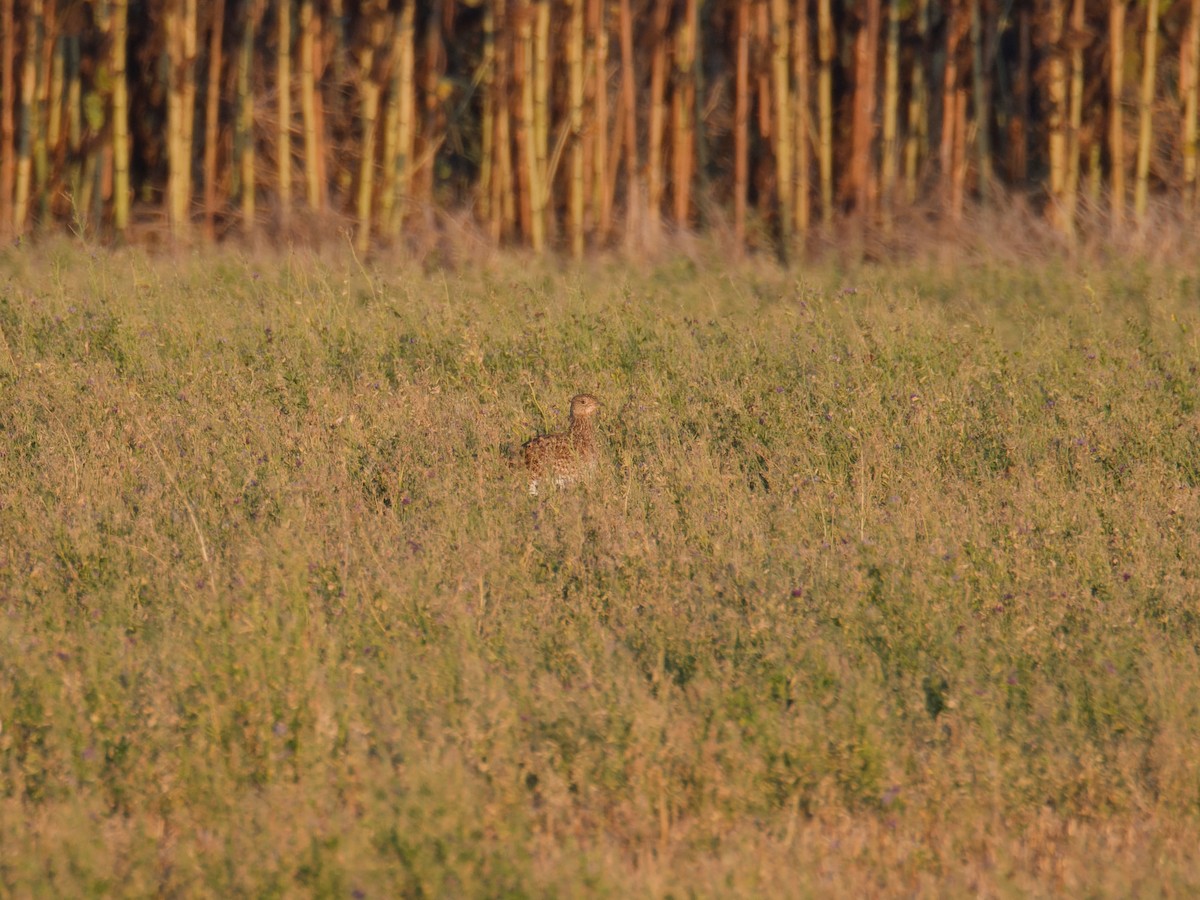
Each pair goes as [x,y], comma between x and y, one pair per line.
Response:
[582,429]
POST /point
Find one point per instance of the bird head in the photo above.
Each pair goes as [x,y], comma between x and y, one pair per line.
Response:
[584,406]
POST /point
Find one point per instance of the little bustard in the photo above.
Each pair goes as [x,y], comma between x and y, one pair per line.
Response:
[565,456]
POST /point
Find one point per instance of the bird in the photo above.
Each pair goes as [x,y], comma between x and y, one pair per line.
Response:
[565,456]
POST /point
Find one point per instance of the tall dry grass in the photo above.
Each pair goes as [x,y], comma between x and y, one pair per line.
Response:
[888,586]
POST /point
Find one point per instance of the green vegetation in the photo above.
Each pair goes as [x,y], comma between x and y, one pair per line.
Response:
[890,584]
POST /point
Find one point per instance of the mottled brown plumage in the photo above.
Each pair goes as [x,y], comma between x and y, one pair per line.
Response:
[565,456]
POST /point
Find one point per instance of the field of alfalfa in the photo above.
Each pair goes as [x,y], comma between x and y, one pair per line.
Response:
[890,582]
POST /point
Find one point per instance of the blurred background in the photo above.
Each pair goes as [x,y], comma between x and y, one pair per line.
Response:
[595,124]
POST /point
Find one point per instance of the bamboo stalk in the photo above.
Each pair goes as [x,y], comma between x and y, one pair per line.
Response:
[1190,88]
[891,107]
[1057,119]
[825,51]
[433,90]
[7,125]
[212,109]
[958,163]
[309,27]
[782,132]
[283,133]
[335,48]
[371,91]
[522,63]
[488,211]
[741,122]
[1018,130]
[174,40]
[56,88]
[801,117]
[602,185]
[761,49]
[187,98]
[540,195]
[633,170]
[245,117]
[180,26]
[683,101]
[983,115]
[527,166]
[916,144]
[654,159]
[29,117]
[389,142]
[505,192]
[588,125]
[575,196]
[41,143]
[699,154]
[947,149]
[97,141]
[321,67]
[406,124]
[863,135]
[74,114]
[391,132]
[1074,119]
[1141,191]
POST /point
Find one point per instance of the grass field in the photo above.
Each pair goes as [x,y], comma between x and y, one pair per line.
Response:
[889,583]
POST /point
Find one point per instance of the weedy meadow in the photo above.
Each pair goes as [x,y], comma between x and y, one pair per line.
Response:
[885,583]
